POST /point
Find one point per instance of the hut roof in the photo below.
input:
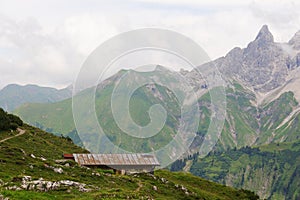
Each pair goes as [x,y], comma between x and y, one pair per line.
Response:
[116,159]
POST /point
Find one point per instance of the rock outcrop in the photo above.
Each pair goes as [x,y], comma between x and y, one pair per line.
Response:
[43,185]
[263,65]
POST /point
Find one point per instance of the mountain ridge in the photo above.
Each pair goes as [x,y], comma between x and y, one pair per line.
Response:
[262,82]
[262,66]
[14,95]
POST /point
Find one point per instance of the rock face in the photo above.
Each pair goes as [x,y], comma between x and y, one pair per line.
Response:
[263,65]
[295,41]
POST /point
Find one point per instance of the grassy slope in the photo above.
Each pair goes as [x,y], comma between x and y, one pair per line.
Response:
[57,117]
[16,162]
[245,124]
[270,170]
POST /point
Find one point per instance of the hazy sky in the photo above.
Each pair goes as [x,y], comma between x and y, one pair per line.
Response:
[45,42]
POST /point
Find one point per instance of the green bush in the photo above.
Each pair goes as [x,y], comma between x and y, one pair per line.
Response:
[9,121]
[15,119]
[13,126]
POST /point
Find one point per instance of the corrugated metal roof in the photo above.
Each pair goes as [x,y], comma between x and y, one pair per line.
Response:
[116,159]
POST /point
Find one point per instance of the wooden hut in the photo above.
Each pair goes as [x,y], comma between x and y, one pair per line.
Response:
[120,163]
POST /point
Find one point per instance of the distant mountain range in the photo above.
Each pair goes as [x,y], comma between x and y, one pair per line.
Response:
[263,95]
[13,95]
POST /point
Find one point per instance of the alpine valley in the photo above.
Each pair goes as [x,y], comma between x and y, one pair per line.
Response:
[259,147]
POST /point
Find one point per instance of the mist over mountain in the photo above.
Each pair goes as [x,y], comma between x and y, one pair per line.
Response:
[13,95]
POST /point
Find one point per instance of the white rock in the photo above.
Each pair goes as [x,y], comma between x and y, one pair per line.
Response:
[183,188]
[66,182]
[40,186]
[31,187]
[163,180]
[49,185]
[2,197]
[26,178]
[58,170]
[82,189]
[55,185]
[24,186]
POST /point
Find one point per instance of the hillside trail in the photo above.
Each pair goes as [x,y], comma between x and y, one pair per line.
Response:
[21,132]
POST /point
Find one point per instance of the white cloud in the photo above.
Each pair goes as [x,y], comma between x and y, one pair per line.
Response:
[86,32]
[46,42]
[198,2]
[31,55]
[282,16]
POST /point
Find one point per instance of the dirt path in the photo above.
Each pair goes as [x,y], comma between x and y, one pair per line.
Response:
[21,132]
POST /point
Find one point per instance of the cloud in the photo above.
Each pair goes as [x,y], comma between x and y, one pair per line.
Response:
[282,16]
[86,32]
[198,2]
[46,42]
[32,56]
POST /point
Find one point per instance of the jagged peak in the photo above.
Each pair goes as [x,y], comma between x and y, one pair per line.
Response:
[297,35]
[264,35]
[234,51]
[295,40]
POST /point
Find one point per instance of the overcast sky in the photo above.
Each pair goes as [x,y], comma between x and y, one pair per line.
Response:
[45,42]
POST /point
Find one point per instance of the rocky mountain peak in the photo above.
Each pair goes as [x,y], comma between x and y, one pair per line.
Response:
[264,35]
[262,65]
[295,41]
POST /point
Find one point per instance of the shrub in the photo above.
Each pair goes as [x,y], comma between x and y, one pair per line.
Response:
[13,126]
[15,119]
[9,121]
